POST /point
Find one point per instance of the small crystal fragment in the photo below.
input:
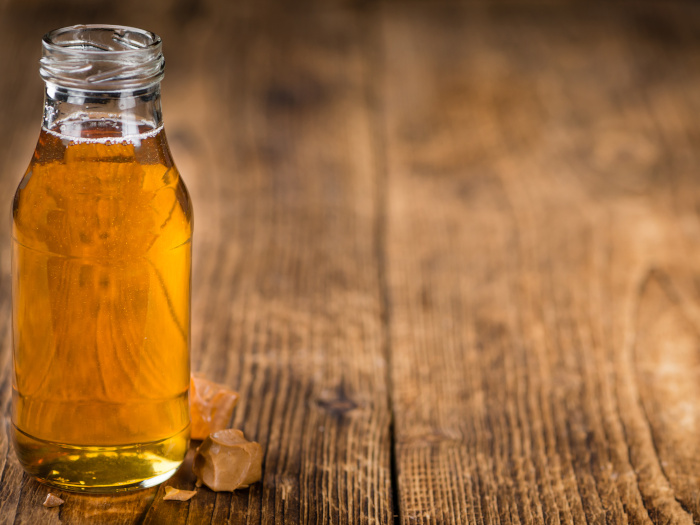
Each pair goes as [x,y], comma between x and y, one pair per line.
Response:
[52,501]
[172,493]
[226,461]
[211,406]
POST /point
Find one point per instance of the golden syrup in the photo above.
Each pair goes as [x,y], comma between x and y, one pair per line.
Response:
[102,230]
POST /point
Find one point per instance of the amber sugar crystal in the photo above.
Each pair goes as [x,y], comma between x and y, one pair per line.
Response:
[102,252]
[211,406]
[227,461]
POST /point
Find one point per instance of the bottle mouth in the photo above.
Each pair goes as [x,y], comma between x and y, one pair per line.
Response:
[102,58]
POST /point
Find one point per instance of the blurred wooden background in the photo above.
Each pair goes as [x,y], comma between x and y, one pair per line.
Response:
[449,254]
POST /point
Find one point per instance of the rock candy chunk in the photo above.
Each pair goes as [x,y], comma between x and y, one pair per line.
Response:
[172,493]
[52,501]
[211,406]
[226,461]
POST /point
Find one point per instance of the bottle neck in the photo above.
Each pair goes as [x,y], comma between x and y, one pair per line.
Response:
[121,115]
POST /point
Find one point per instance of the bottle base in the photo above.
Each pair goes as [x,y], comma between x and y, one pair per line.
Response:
[96,469]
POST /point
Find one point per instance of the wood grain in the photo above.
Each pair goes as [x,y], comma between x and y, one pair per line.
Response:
[542,248]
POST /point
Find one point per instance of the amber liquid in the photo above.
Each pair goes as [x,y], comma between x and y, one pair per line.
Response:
[101,305]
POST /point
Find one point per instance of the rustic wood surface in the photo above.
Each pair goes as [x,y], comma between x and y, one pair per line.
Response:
[449,255]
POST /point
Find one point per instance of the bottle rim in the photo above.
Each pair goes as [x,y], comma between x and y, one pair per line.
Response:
[101,57]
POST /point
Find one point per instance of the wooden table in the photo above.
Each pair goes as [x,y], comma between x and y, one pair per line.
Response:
[448,254]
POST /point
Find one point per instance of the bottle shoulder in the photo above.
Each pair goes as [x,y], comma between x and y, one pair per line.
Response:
[102,200]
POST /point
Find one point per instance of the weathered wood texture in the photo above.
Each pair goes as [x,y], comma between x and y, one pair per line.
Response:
[543,247]
[462,240]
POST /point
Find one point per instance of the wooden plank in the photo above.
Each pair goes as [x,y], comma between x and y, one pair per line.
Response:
[542,248]
[306,313]
[268,122]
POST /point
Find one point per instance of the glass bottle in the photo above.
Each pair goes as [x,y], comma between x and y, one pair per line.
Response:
[101,256]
